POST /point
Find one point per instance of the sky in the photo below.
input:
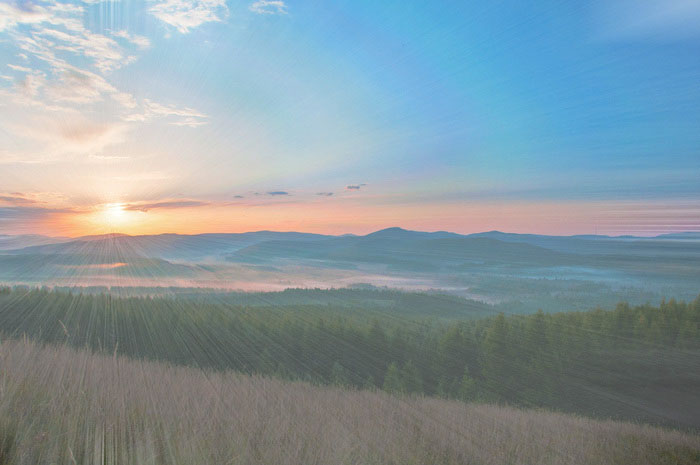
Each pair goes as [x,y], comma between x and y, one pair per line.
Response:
[193,116]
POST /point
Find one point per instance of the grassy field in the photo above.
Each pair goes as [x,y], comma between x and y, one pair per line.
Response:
[64,406]
[628,363]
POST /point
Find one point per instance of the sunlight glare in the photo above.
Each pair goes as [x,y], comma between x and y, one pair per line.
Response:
[115,215]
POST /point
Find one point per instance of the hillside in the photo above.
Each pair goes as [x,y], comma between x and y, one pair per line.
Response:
[527,272]
[76,407]
[635,363]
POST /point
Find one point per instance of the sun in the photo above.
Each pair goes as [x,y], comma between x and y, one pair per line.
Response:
[114,212]
[115,216]
[110,217]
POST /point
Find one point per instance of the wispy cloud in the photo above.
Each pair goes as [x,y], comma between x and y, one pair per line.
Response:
[11,15]
[23,69]
[183,116]
[71,133]
[277,193]
[88,132]
[140,41]
[324,194]
[23,213]
[355,187]
[109,158]
[269,7]
[185,15]
[30,84]
[16,199]
[79,86]
[144,207]
[58,27]
[62,100]
[648,19]
[33,199]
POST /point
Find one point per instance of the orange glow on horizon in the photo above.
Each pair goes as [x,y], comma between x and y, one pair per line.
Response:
[341,217]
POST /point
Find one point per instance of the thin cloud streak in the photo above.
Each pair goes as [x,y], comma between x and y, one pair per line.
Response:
[269,7]
[165,205]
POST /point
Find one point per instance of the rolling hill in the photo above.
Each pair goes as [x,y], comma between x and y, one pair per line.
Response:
[543,271]
[79,407]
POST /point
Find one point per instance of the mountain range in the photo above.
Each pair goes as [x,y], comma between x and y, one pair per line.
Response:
[484,265]
[271,244]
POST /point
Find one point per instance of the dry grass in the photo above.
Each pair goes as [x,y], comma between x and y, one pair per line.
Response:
[61,406]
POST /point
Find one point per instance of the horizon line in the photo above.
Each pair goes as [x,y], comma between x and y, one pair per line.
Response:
[493,231]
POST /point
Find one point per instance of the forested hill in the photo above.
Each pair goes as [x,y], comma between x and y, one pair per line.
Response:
[359,301]
[522,271]
[630,362]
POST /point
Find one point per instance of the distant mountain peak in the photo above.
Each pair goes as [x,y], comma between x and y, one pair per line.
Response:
[397,232]
[387,231]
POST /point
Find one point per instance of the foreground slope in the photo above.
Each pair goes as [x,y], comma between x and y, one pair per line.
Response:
[632,363]
[58,405]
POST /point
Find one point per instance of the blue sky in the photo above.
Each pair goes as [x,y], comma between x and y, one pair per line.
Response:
[444,107]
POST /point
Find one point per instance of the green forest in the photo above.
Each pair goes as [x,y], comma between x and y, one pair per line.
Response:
[611,363]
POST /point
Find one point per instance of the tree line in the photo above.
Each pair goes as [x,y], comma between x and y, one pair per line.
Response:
[571,360]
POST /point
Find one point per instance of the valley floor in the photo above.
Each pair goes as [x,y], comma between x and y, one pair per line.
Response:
[62,406]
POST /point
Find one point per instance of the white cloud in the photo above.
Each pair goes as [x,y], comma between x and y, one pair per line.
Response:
[125,99]
[62,102]
[58,28]
[170,110]
[11,15]
[140,41]
[179,116]
[22,69]
[268,7]
[185,15]
[79,86]
[189,122]
[31,83]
